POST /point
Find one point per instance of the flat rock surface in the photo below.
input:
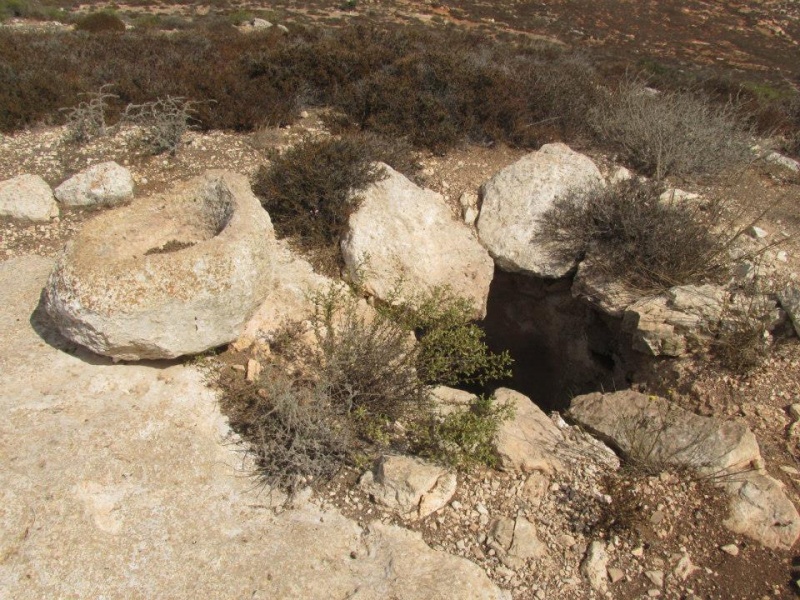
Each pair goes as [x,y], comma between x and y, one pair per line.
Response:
[122,481]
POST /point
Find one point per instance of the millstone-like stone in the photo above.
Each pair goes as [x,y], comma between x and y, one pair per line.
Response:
[171,275]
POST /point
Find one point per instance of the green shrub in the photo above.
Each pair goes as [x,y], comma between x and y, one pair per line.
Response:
[638,238]
[463,438]
[308,190]
[452,350]
[100,22]
[671,133]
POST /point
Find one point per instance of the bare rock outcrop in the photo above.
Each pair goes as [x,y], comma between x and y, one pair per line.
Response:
[402,233]
[125,481]
[170,275]
[516,197]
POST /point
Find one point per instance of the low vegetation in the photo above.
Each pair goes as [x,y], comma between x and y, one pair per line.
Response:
[635,236]
[671,133]
[351,386]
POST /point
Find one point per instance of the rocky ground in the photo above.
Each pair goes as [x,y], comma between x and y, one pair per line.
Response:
[136,446]
[662,534]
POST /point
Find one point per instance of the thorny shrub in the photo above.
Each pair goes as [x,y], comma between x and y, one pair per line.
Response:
[163,122]
[671,133]
[635,236]
[87,120]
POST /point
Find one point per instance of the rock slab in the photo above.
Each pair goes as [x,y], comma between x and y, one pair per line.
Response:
[125,481]
[515,198]
[27,198]
[171,275]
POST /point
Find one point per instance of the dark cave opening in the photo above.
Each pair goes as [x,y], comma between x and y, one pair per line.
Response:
[560,345]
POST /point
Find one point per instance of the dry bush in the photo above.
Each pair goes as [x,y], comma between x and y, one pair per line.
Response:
[671,133]
[162,122]
[367,360]
[636,237]
[87,120]
[292,428]
[100,22]
[311,189]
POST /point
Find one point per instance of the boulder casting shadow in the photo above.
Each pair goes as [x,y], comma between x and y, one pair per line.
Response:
[170,275]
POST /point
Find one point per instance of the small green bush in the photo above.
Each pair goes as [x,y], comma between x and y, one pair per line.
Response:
[671,133]
[452,350]
[463,438]
[100,22]
[309,191]
[636,237]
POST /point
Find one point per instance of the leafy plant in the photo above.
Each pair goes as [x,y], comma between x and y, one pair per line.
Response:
[463,438]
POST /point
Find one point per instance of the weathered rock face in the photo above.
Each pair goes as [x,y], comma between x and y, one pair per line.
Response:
[28,198]
[110,464]
[516,197]
[170,275]
[404,233]
[653,431]
[409,486]
[662,325]
[103,184]
[530,441]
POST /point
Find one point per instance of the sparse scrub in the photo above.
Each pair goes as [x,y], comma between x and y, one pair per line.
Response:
[636,237]
[163,122]
[30,9]
[671,133]
[87,120]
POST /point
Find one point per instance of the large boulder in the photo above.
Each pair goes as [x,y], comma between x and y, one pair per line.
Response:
[27,198]
[515,199]
[171,275]
[658,434]
[104,184]
[402,233]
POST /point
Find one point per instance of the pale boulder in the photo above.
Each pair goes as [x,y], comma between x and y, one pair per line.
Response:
[404,234]
[408,486]
[27,198]
[530,441]
[171,275]
[104,184]
[515,199]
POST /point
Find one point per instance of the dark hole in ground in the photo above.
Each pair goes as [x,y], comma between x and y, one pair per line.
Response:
[561,348]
